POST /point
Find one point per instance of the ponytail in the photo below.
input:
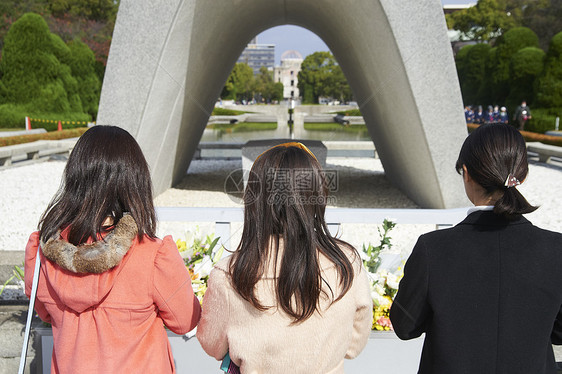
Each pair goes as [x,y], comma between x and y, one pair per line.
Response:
[512,204]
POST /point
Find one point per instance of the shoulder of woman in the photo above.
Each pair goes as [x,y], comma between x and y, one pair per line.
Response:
[223,264]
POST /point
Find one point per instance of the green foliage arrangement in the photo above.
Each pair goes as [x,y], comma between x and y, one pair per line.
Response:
[56,135]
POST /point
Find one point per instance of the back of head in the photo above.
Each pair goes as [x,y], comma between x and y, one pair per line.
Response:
[106,176]
[285,200]
[495,156]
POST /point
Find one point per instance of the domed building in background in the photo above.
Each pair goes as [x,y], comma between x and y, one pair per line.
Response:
[287,73]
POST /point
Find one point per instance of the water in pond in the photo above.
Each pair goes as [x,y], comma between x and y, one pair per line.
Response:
[282,131]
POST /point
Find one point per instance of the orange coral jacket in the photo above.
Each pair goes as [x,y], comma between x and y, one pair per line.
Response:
[114,321]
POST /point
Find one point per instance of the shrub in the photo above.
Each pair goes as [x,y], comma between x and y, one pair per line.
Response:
[37,76]
[549,86]
[13,116]
[31,73]
[542,121]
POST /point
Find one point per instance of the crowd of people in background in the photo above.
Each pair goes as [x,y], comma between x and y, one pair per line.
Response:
[495,114]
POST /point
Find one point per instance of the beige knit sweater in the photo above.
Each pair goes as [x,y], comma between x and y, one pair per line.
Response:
[266,342]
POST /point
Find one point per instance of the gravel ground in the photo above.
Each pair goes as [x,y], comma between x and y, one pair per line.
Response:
[28,189]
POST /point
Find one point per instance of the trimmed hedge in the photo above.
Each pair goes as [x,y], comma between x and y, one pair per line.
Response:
[529,136]
[13,116]
[543,120]
[57,135]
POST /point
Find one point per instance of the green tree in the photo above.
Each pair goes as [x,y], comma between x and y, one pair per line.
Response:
[35,74]
[31,72]
[499,72]
[526,65]
[485,21]
[82,65]
[320,75]
[96,10]
[549,85]
[471,67]
[240,83]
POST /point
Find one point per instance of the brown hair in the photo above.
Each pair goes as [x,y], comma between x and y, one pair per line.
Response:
[492,153]
[106,176]
[277,209]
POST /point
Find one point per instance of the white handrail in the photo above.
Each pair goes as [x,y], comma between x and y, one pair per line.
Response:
[222,217]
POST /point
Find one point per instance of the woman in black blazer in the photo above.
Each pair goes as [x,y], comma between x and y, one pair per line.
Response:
[487,293]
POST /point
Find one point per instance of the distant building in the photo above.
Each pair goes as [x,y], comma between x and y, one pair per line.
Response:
[258,55]
[287,73]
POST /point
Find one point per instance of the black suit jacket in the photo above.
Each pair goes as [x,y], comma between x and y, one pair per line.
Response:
[488,295]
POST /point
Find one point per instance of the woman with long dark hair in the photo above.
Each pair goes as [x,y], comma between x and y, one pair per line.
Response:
[292,298]
[107,284]
[487,293]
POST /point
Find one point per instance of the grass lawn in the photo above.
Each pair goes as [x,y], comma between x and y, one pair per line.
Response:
[227,112]
[351,112]
[327,126]
[243,126]
[12,129]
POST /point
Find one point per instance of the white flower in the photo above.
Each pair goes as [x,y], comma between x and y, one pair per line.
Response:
[379,289]
[392,281]
[204,267]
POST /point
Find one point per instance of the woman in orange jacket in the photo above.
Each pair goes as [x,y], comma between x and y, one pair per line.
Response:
[107,285]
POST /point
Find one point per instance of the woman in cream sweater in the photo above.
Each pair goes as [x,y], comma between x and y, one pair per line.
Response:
[291,298]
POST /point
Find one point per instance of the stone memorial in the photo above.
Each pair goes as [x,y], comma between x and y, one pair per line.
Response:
[169,60]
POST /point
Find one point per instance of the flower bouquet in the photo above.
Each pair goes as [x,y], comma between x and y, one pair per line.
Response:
[200,255]
[384,283]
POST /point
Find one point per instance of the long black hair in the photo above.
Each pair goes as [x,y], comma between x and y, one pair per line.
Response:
[106,176]
[285,201]
[492,154]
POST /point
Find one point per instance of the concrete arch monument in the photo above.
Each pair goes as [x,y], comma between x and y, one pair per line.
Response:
[170,58]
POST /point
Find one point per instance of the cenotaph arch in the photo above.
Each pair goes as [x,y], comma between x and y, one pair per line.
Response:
[169,60]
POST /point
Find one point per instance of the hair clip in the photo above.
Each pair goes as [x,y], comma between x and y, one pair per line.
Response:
[290,144]
[511,181]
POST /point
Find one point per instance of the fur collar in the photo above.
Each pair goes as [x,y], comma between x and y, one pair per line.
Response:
[97,257]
